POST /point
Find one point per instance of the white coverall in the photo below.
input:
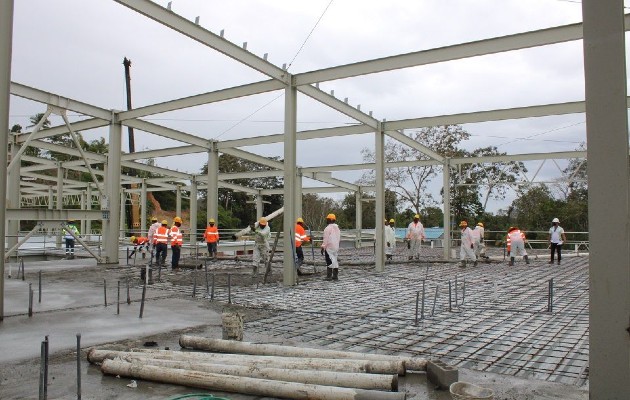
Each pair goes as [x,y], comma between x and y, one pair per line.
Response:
[467,245]
[390,240]
[517,243]
[415,234]
[479,246]
[152,229]
[261,246]
[332,237]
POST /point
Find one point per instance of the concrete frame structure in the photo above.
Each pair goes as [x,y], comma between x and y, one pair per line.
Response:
[606,104]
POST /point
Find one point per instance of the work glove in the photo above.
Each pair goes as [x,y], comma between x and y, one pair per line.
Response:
[322,251]
[472,246]
[408,244]
[252,227]
[388,245]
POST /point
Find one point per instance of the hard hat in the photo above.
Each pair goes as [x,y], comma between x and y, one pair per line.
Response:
[463,223]
[299,220]
[132,239]
[211,221]
[480,224]
[391,221]
[262,221]
[164,222]
[71,221]
[331,216]
[416,216]
[177,219]
[153,219]
[555,220]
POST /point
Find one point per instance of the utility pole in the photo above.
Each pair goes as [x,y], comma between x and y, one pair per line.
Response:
[135,210]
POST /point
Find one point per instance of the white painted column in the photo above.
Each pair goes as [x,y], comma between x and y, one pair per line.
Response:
[193,211]
[446,185]
[358,199]
[298,193]
[83,207]
[290,128]
[51,206]
[112,190]
[212,207]
[123,200]
[260,206]
[88,222]
[178,201]
[608,198]
[379,154]
[13,196]
[59,199]
[143,208]
[6,38]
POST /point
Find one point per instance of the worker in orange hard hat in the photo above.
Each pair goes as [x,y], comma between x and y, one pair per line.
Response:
[212,238]
[330,247]
[160,238]
[300,237]
[262,234]
[467,245]
[177,240]
[516,244]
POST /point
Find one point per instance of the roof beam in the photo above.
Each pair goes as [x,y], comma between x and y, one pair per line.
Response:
[204,36]
[560,155]
[168,133]
[402,138]
[172,151]
[338,105]
[201,99]
[78,126]
[254,158]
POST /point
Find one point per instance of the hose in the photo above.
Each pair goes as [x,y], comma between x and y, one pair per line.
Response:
[199,396]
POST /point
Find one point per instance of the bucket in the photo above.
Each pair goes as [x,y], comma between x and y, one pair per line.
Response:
[232,326]
[468,391]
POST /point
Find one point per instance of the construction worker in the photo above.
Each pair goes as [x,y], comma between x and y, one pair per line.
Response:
[478,241]
[139,244]
[330,247]
[177,240]
[300,237]
[68,230]
[415,236]
[467,245]
[154,225]
[160,240]
[516,244]
[390,239]
[556,239]
[212,238]
[262,234]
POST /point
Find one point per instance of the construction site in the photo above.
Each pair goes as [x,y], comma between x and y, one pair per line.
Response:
[98,322]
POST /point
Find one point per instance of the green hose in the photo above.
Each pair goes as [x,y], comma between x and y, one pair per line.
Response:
[199,396]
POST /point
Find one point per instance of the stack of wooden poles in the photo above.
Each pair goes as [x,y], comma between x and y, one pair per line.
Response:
[264,369]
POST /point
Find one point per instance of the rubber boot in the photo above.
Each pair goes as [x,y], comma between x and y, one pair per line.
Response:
[526,260]
[329,272]
[335,272]
[511,264]
[462,264]
[475,263]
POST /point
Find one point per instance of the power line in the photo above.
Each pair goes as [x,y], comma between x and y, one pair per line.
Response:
[541,133]
[244,119]
[309,35]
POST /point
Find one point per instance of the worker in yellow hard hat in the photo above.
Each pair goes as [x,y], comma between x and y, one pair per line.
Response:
[390,239]
[262,234]
[160,239]
[177,240]
[139,244]
[300,237]
[212,238]
[467,246]
[330,247]
[415,236]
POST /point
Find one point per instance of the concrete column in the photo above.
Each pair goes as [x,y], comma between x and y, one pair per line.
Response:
[379,155]
[358,216]
[446,179]
[298,194]
[13,196]
[51,206]
[112,190]
[143,208]
[88,222]
[193,211]
[6,38]
[59,199]
[123,200]
[212,208]
[83,207]
[260,206]
[609,198]
[290,128]
[178,201]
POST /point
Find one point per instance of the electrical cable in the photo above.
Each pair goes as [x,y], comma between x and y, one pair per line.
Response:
[199,396]
[309,34]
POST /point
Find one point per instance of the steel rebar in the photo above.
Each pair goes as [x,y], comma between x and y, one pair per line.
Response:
[456,291]
[435,299]
[417,301]
[30,300]
[41,370]
[128,296]
[229,279]
[550,296]
[212,292]
[423,295]
[464,292]
[79,366]
[46,352]
[39,287]
[194,291]
[206,273]
[449,297]
[118,300]
[144,292]
[22,266]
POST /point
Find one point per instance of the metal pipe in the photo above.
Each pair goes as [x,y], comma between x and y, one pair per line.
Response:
[39,287]
[229,289]
[79,366]
[30,300]
[248,229]
[212,292]
[41,370]
[118,300]
[105,291]
[437,287]
[46,352]
[128,296]
[144,293]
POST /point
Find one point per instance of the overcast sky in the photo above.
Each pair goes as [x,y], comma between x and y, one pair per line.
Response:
[75,48]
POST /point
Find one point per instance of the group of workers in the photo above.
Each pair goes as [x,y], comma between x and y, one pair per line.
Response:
[159,237]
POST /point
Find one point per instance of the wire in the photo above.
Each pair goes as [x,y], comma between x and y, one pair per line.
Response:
[244,119]
[541,133]
[309,34]
[580,2]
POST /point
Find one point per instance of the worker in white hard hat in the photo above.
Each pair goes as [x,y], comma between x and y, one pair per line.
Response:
[556,239]
[262,234]
[415,236]
[155,224]
[390,238]
[478,241]
[467,245]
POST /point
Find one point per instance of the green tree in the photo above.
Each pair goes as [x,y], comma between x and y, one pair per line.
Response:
[368,210]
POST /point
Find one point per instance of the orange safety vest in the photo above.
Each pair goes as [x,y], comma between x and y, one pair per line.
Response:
[176,236]
[515,232]
[300,235]
[140,241]
[211,234]
[161,235]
